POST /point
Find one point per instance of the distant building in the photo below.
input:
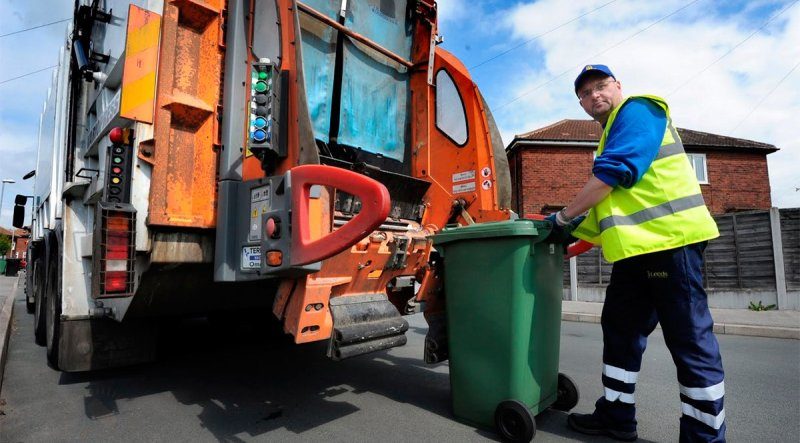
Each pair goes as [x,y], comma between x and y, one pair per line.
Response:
[550,165]
[19,244]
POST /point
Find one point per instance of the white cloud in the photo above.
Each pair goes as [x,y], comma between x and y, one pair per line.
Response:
[661,59]
[451,10]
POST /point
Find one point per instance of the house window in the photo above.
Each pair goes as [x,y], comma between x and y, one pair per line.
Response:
[698,162]
[451,117]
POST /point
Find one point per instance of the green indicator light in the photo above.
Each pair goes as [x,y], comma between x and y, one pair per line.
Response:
[261,87]
[262,75]
[117,159]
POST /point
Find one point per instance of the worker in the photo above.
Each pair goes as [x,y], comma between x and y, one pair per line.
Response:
[647,213]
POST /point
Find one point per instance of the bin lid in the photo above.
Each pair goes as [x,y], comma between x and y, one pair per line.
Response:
[506,228]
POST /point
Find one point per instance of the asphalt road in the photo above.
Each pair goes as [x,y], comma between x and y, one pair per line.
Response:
[227,385]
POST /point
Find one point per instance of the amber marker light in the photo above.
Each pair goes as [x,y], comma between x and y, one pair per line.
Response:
[274,258]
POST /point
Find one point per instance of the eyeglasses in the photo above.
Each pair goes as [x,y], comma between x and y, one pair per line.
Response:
[596,88]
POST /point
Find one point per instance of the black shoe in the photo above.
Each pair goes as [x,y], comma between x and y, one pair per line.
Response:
[592,425]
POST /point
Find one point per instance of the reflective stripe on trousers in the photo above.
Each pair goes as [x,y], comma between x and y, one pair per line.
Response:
[663,287]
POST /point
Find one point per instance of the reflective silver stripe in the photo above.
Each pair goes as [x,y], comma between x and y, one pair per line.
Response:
[673,132]
[669,150]
[620,374]
[714,421]
[676,147]
[612,395]
[710,393]
[645,215]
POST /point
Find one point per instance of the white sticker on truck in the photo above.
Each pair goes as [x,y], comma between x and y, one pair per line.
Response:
[251,257]
[464,187]
[259,204]
[463,176]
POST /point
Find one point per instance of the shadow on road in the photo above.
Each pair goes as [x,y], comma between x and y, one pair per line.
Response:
[246,386]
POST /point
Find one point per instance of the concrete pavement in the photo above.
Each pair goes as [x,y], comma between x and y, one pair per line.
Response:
[8,289]
[776,324]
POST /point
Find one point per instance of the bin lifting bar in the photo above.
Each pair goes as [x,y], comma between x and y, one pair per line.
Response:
[341,28]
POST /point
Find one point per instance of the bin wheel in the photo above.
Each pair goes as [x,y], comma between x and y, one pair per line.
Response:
[568,394]
[514,421]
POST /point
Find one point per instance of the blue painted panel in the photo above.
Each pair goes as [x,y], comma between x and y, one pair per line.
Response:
[382,21]
[327,7]
[319,57]
[376,90]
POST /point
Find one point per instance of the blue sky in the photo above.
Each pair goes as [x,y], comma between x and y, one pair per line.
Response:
[724,66]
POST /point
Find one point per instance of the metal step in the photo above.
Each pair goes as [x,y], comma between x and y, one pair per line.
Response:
[363,324]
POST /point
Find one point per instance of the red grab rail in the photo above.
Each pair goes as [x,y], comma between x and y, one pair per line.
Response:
[375,205]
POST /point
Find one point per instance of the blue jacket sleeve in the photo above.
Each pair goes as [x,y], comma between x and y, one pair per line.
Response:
[632,144]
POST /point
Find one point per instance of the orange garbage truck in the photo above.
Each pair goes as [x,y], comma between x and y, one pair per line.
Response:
[198,156]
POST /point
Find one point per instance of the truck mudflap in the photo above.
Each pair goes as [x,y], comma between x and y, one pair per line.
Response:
[363,324]
[93,344]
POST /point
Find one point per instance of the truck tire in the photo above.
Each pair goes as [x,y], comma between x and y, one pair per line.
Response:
[30,302]
[38,300]
[53,310]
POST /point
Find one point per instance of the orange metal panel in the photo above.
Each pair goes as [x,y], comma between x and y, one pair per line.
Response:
[141,62]
[303,320]
[186,139]
[475,157]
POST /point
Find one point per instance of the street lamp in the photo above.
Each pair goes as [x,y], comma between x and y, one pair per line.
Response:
[2,191]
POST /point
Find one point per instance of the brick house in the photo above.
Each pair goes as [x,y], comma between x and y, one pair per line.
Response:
[20,241]
[550,165]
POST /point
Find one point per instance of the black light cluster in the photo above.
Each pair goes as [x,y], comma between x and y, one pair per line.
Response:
[262,108]
[118,167]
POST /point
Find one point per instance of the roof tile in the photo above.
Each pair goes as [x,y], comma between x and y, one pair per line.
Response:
[590,131]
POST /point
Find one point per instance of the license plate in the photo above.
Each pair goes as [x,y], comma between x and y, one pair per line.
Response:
[251,257]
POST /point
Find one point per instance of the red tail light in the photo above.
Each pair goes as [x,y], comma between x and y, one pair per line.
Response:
[118,236]
[116,281]
[115,250]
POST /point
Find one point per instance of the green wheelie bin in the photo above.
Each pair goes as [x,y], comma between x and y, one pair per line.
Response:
[503,290]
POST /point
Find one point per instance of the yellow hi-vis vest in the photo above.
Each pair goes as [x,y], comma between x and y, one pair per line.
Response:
[664,210]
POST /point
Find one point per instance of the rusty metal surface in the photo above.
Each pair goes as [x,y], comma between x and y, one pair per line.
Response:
[184,153]
[182,247]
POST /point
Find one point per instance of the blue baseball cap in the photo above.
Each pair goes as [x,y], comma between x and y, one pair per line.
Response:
[591,69]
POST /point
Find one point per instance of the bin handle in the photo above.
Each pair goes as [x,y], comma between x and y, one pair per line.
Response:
[573,250]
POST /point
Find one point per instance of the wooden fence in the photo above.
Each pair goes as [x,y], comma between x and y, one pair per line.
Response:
[755,250]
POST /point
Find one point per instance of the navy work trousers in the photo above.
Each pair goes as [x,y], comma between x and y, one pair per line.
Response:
[665,287]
